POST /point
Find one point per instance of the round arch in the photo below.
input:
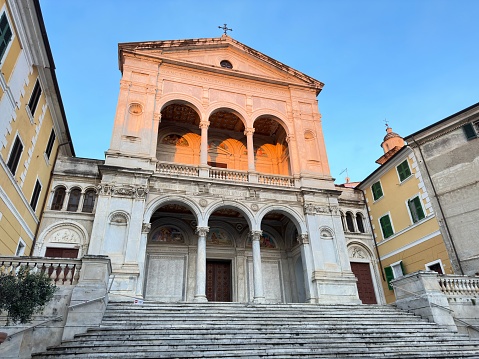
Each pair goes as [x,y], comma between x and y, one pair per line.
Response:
[245,211]
[228,106]
[181,99]
[294,216]
[158,202]
[64,234]
[258,114]
[350,245]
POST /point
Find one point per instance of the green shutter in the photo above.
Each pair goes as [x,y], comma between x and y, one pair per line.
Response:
[402,268]
[416,210]
[5,34]
[386,226]
[403,170]
[377,190]
[389,276]
[469,131]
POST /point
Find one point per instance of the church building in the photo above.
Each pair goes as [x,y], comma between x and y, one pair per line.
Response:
[215,187]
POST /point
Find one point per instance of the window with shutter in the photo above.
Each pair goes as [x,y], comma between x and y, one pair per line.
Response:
[377,190]
[5,35]
[15,155]
[469,131]
[34,98]
[386,226]
[35,195]
[389,276]
[415,208]
[403,170]
[51,141]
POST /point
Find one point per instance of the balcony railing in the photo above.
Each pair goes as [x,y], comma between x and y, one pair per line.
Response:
[62,271]
[229,175]
[459,285]
[273,180]
[175,169]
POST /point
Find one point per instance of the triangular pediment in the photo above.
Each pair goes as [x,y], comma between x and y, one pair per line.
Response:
[209,54]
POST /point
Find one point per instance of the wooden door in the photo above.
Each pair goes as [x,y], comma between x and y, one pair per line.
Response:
[365,282]
[218,281]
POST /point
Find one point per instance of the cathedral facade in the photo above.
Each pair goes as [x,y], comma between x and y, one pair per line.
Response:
[216,185]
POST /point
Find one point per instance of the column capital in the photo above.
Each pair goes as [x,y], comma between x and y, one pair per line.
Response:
[290,138]
[249,131]
[255,235]
[303,238]
[204,124]
[157,117]
[202,231]
[145,228]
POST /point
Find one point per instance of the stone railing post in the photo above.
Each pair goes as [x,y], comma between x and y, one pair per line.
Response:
[92,286]
[421,294]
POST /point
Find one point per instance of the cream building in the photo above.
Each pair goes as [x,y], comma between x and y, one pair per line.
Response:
[403,218]
[216,185]
[32,124]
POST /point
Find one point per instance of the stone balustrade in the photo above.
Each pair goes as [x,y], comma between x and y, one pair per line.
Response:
[452,285]
[63,271]
[177,169]
[228,175]
[273,180]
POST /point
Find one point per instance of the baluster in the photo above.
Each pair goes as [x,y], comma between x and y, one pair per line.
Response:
[76,273]
[68,276]
[61,274]
[52,272]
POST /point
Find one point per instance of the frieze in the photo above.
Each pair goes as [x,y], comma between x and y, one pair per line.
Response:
[65,236]
[310,208]
[223,82]
[122,191]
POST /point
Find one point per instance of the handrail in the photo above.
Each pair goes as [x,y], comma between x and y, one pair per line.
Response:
[86,302]
[54,319]
[438,306]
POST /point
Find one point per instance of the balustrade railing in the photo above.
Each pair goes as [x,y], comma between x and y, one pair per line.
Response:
[62,271]
[177,169]
[458,285]
[276,180]
[229,175]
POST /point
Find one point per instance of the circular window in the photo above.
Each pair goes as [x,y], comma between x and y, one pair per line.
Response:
[226,63]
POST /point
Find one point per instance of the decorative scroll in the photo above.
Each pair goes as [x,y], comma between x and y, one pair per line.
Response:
[122,191]
[309,208]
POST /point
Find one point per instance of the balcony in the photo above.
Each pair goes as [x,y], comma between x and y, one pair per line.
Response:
[221,174]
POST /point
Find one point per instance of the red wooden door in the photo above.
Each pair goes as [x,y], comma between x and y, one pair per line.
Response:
[365,282]
[61,252]
[218,281]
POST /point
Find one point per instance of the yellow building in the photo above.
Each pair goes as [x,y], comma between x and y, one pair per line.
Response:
[32,123]
[404,223]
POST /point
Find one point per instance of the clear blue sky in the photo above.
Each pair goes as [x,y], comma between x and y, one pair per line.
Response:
[412,62]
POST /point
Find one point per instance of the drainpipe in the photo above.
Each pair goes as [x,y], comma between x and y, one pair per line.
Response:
[374,238]
[440,206]
[46,196]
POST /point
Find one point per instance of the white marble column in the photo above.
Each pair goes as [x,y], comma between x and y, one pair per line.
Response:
[307,260]
[204,143]
[249,143]
[200,295]
[258,296]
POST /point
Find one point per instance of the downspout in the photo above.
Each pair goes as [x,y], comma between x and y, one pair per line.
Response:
[46,196]
[374,238]
[440,206]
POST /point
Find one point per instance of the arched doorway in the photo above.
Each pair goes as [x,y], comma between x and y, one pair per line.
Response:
[171,242]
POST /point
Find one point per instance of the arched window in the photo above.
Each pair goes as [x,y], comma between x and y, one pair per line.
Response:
[349,222]
[360,223]
[58,198]
[74,200]
[89,201]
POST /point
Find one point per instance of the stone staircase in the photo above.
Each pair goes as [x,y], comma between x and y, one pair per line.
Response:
[234,330]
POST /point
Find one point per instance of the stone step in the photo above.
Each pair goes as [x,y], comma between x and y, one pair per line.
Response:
[282,352]
[234,330]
